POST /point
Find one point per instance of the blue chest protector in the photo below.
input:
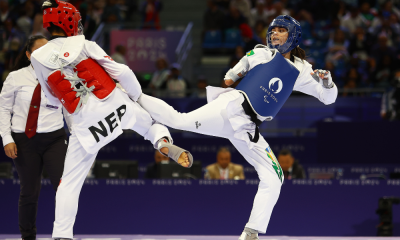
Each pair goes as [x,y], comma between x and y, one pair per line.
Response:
[267,86]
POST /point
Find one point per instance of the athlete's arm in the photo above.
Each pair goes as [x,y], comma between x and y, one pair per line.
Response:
[259,55]
[238,71]
[305,83]
[120,72]
[37,66]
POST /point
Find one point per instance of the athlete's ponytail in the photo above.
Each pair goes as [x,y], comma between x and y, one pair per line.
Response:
[22,60]
[298,52]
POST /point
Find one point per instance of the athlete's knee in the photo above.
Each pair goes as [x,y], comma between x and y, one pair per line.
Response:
[272,186]
[174,118]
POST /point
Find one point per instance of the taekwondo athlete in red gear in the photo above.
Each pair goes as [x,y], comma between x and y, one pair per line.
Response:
[79,74]
[271,73]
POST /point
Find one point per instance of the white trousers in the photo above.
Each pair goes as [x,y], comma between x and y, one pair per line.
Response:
[77,165]
[212,119]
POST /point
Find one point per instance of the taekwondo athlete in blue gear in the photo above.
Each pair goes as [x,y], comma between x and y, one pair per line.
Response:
[270,74]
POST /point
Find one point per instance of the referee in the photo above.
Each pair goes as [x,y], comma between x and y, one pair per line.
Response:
[33,135]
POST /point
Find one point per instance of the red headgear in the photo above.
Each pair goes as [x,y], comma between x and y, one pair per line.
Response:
[65,16]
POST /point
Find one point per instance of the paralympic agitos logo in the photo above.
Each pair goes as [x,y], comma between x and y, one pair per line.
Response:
[275,85]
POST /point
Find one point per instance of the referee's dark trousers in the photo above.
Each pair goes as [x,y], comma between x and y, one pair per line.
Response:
[44,150]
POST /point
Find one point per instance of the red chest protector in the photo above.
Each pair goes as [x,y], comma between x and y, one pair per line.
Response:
[93,75]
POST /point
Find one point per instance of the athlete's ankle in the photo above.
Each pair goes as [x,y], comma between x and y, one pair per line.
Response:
[162,140]
[250,231]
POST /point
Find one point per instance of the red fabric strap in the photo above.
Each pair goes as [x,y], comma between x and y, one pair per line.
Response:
[33,114]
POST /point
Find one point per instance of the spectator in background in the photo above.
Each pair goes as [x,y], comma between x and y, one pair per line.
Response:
[160,76]
[366,14]
[360,44]
[37,26]
[278,9]
[4,13]
[384,72]
[334,26]
[112,13]
[151,14]
[352,79]
[223,168]
[291,167]
[98,9]
[239,52]
[24,23]
[248,37]
[88,22]
[395,26]
[152,168]
[390,108]
[234,18]
[119,55]
[382,49]
[352,20]
[259,13]
[363,69]
[337,49]
[176,85]
[13,41]
[387,29]
[200,91]
[387,9]
[244,7]
[214,18]
[261,32]
[269,6]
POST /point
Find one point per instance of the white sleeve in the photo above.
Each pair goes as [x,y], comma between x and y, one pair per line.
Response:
[241,67]
[7,97]
[120,72]
[305,83]
[51,98]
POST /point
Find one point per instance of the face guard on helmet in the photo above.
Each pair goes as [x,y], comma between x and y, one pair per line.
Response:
[65,16]
[294,34]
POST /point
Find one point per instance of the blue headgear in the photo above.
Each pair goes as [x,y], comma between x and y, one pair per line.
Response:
[294,33]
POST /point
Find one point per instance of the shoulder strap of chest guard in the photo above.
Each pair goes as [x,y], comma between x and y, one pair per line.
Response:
[71,49]
[51,56]
[48,55]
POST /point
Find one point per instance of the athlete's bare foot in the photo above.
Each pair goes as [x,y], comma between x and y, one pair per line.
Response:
[183,159]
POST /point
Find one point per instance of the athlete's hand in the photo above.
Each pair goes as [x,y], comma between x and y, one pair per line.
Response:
[229,82]
[323,77]
[11,150]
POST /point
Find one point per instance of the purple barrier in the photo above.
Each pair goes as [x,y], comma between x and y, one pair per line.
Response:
[145,47]
[192,207]
[358,142]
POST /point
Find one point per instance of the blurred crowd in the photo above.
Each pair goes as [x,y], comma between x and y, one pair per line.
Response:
[20,19]
[357,40]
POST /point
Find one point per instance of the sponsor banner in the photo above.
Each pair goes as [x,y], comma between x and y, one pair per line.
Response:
[145,47]
[207,182]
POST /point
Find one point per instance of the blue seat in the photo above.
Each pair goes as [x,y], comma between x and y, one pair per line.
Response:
[212,39]
[233,38]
